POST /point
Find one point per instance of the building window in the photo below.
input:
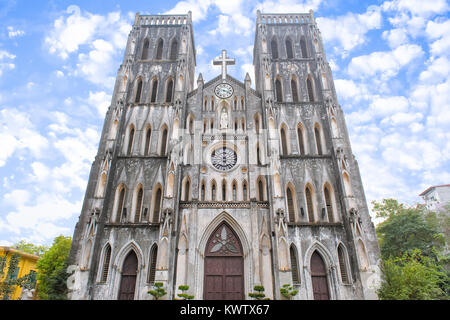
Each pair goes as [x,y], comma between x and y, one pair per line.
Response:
[157,205]
[290,203]
[294,265]
[152,264]
[294,90]
[145,49]
[342,265]
[140,196]
[289,51]
[274,47]
[174,50]
[147,141]
[169,91]
[159,49]
[303,47]
[278,90]
[138,91]
[106,262]
[309,204]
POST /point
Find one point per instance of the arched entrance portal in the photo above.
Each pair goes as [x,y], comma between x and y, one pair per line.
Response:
[319,277]
[224,266]
[129,273]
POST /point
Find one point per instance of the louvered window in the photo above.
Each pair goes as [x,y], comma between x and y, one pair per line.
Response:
[106,262]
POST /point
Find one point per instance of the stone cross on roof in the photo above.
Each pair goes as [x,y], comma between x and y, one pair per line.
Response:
[224,61]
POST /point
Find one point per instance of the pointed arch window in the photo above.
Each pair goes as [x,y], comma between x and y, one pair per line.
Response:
[164,141]
[260,190]
[309,204]
[289,51]
[244,191]
[157,205]
[303,47]
[145,50]
[328,204]
[120,203]
[294,265]
[138,91]
[213,191]
[224,190]
[342,265]
[154,91]
[290,203]
[148,135]
[202,191]
[294,90]
[278,90]
[301,141]
[284,147]
[152,264]
[274,47]
[309,85]
[130,141]
[139,199]
[159,49]
[106,262]
[169,90]
[318,140]
[174,50]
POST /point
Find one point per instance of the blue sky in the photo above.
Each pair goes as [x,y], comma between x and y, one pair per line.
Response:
[58,62]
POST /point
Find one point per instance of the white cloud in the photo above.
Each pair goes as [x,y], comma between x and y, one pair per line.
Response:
[17,133]
[349,31]
[98,40]
[100,100]
[199,8]
[283,6]
[6,61]
[385,63]
[15,33]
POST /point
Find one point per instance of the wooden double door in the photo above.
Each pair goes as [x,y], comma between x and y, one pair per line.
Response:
[129,274]
[319,278]
[224,266]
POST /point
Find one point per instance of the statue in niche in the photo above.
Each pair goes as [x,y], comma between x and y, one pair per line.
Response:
[224,119]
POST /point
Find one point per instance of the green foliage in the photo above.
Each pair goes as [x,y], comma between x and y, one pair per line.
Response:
[7,285]
[52,275]
[158,291]
[412,277]
[288,291]
[405,229]
[24,246]
[184,295]
[259,294]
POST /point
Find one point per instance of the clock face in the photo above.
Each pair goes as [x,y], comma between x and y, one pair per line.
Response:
[223,90]
[223,158]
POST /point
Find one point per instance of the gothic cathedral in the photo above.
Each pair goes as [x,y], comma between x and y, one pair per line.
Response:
[222,187]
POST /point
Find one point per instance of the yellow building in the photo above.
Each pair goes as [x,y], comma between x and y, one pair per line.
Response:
[26,265]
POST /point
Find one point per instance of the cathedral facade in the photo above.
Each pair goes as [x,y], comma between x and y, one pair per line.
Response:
[221,186]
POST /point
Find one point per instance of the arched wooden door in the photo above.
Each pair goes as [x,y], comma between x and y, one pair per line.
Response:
[319,277]
[224,266]
[129,273]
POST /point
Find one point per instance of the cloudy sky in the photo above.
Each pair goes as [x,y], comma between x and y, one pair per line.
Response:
[58,62]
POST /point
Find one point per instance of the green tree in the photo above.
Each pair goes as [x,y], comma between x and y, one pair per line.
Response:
[158,290]
[288,291]
[405,229]
[52,275]
[184,295]
[411,277]
[27,247]
[259,294]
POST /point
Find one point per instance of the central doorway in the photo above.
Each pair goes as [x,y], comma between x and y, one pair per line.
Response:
[224,266]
